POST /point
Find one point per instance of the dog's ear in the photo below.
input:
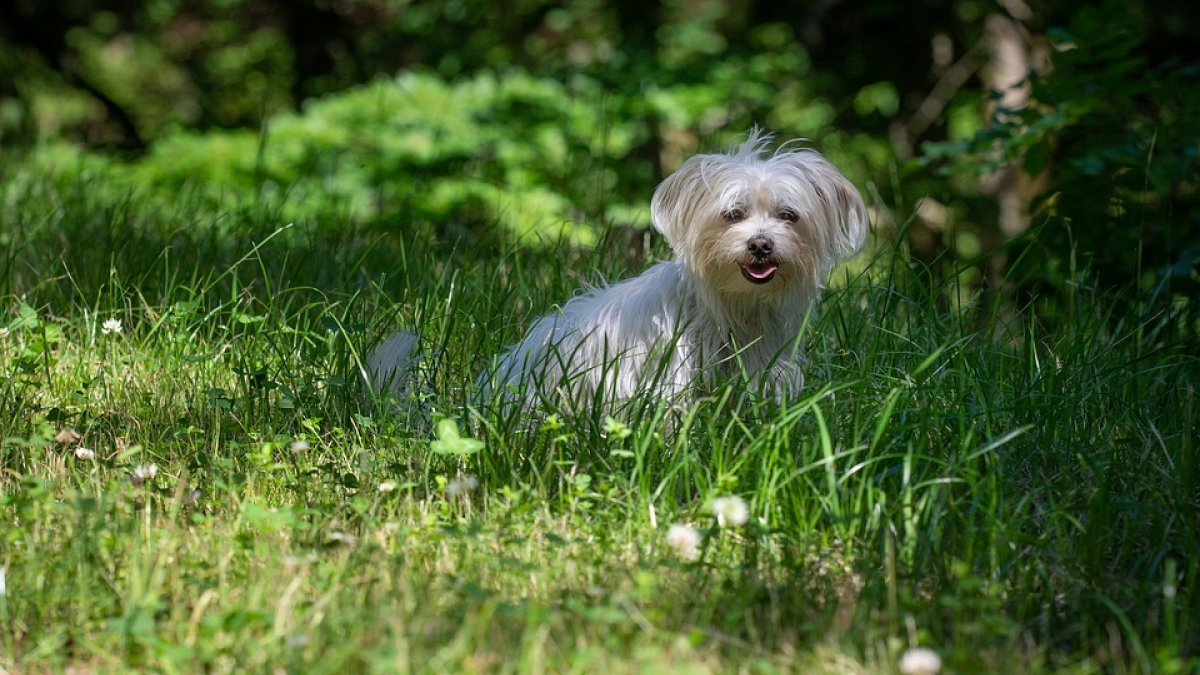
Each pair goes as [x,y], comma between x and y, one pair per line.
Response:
[852,223]
[844,212]
[677,199]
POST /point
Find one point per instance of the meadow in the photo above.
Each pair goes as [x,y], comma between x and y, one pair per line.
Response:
[193,480]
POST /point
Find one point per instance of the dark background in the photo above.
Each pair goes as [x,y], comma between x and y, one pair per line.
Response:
[1015,147]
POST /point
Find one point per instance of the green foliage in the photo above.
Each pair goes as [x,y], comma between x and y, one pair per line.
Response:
[451,442]
[1020,500]
[530,159]
[1118,132]
[193,479]
[503,151]
[545,121]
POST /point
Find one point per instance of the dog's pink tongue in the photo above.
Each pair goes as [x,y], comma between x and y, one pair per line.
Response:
[760,270]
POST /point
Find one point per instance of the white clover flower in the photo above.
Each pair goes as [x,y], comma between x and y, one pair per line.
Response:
[685,540]
[299,446]
[111,326]
[461,486]
[3,333]
[387,486]
[84,453]
[732,511]
[920,661]
[343,538]
[144,472]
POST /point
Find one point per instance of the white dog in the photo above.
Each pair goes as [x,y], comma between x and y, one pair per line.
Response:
[754,235]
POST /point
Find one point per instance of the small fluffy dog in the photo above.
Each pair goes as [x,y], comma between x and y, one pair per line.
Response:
[754,234]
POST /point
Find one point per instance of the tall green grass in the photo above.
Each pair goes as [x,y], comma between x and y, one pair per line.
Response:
[1018,496]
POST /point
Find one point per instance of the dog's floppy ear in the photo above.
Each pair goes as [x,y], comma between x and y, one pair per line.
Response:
[850,211]
[677,198]
[844,211]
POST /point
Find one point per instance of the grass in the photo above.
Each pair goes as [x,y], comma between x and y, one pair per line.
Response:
[1021,498]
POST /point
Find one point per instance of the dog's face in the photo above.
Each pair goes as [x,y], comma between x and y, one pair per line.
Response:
[750,224]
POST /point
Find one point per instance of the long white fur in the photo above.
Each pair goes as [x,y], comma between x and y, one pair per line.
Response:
[698,316]
[390,366]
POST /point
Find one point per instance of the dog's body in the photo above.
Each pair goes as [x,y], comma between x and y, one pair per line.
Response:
[754,236]
[649,335]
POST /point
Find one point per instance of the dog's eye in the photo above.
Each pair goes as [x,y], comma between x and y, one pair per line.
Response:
[734,215]
[788,215]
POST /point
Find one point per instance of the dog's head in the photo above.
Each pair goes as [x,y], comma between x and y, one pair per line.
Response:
[753,222]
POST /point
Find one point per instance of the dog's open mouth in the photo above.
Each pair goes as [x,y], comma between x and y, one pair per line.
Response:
[759,271]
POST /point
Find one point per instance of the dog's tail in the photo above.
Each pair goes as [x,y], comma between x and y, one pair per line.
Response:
[392,366]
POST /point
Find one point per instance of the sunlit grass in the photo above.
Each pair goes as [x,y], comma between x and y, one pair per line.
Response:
[1017,498]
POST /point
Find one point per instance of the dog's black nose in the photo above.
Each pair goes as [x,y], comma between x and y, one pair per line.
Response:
[760,246]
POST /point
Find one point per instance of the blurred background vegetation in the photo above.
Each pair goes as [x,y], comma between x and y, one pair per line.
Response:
[1015,149]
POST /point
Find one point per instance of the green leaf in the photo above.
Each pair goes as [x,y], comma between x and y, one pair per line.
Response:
[27,318]
[449,442]
[615,428]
